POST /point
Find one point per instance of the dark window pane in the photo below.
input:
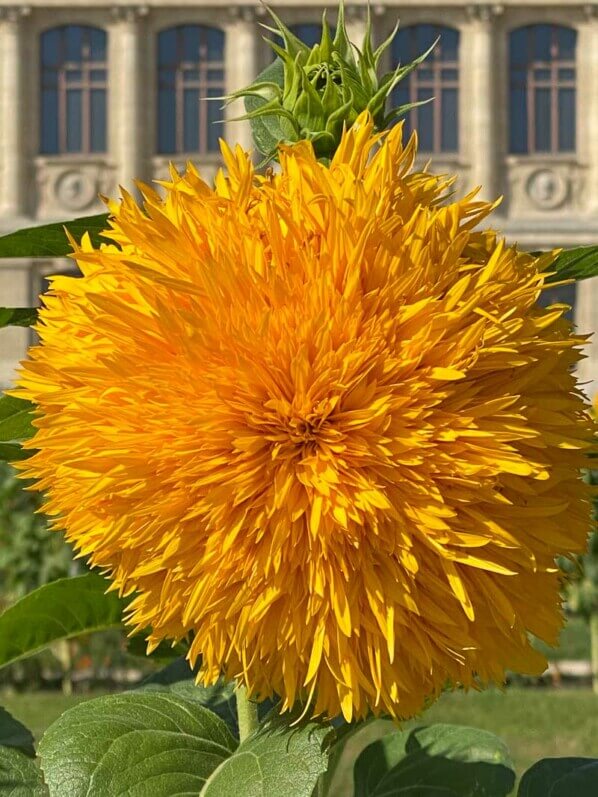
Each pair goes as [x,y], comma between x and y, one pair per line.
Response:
[167,51]
[518,47]
[567,40]
[542,42]
[166,77]
[567,74]
[191,120]
[214,115]
[216,75]
[566,120]
[449,43]
[97,44]
[97,75]
[402,46]
[190,41]
[49,117]
[425,121]
[518,77]
[542,120]
[309,34]
[74,133]
[215,40]
[50,50]
[450,74]
[449,121]
[425,35]
[73,43]
[97,110]
[542,74]
[73,76]
[518,121]
[166,121]
[562,294]
[425,74]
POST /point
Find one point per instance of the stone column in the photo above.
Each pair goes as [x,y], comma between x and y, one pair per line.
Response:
[13,123]
[241,66]
[586,305]
[355,23]
[129,85]
[479,98]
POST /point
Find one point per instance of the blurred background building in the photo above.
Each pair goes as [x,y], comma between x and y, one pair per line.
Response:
[94,95]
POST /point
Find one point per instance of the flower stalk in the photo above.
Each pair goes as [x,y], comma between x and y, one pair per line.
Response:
[247,715]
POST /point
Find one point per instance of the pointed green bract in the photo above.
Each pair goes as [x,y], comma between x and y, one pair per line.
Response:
[313,93]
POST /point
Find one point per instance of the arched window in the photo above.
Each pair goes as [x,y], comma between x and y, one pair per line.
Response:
[436,122]
[74,76]
[190,72]
[542,89]
[310,33]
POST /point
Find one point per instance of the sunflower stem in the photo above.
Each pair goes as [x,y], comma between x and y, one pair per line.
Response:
[246,713]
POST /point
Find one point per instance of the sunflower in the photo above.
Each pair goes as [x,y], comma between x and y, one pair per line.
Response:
[316,423]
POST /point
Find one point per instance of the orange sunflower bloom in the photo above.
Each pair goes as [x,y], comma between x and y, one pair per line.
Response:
[318,425]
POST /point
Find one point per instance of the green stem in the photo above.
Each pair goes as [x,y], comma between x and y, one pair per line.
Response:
[246,713]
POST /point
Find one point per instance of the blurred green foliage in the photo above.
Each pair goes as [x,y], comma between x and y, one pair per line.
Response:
[30,554]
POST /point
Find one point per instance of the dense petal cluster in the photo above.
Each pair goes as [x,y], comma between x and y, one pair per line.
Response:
[318,424]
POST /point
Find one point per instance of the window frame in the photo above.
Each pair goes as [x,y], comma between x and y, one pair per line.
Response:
[435,63]
[531,83]
[202,85]
[63,85]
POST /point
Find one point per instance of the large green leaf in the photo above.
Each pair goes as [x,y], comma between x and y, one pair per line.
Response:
[18,316]
[282,758]
[19,774]
[14,734]
[560,777]
[138,744]
[178,678]
[11,452]
[466,761]
[60,610]
[578,264]
[50,240]
[16,416]
[266,131]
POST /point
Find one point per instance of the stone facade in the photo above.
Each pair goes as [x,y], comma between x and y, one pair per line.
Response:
[548,199]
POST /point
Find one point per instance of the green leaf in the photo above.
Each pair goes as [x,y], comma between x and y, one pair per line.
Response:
[581,782]
[281,759]
[50,240]
[60,610]
[18,316]
[11,452]
[178,678]
[138,744]
[14,734]
[551,777]
[19,775]
[15,419]
[466,761]
[578,264]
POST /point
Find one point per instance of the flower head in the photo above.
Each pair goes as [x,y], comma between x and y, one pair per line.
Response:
[318,424]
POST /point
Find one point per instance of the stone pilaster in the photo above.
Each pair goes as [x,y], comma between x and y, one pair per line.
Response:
[13,122]
[479,97]
[128,94]
[586,304]
[241,67]
[355,22]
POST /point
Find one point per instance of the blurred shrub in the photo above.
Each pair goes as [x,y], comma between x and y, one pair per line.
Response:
[30,554]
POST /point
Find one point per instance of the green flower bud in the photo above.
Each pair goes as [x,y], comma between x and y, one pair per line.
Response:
[311,94]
